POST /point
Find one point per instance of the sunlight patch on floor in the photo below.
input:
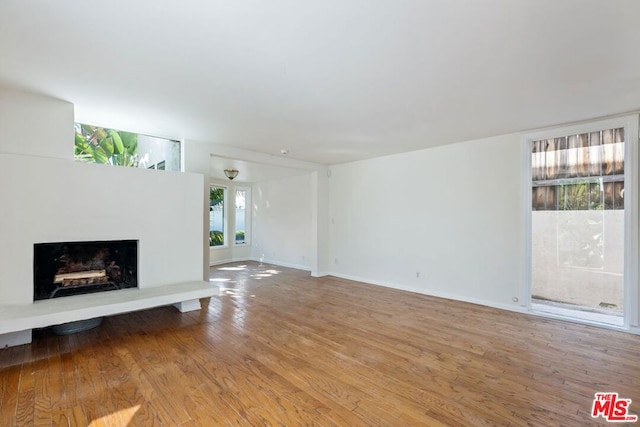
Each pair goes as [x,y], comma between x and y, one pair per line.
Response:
[235,293]
[265,273]
[122,417]
[236,268]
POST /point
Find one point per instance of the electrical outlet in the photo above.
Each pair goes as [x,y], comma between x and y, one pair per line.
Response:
[417,274]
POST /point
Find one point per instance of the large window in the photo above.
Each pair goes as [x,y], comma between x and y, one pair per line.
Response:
[94,144]
[581,219]
[217,217]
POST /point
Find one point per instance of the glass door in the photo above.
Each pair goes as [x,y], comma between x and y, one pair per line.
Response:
[578,225]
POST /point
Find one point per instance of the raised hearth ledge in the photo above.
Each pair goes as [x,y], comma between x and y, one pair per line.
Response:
[55,311]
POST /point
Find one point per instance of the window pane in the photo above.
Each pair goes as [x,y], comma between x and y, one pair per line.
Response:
[158,153]
[94,144]
[578,225]
[241,220]
[216,216]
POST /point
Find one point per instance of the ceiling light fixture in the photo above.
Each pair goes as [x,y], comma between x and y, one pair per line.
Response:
[231,173]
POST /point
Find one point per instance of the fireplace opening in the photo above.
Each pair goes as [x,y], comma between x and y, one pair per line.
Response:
[72,268]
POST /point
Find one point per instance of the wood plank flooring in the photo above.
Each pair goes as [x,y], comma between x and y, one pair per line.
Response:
[282,348]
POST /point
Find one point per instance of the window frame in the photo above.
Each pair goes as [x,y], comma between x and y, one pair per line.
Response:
[631,250]
[225,216]
[141,157]
[247,216]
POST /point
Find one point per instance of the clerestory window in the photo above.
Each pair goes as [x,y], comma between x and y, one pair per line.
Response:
[95,144]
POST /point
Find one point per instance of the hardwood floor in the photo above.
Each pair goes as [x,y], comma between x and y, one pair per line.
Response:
[282,348]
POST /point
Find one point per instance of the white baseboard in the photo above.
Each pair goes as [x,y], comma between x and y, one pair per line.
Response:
[228,260]
[320,274]
[13,339]
[515,307]
[283,264]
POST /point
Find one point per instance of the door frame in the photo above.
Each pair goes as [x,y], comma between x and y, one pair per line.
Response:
[632,206]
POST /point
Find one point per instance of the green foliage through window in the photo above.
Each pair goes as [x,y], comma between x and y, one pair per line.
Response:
[216,216]
[95,144]
[216,238]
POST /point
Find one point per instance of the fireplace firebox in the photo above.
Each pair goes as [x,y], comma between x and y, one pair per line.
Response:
[72,268]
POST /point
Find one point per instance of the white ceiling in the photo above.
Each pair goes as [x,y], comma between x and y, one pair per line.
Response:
[332,80]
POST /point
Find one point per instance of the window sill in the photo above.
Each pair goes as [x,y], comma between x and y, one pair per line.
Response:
[216,248]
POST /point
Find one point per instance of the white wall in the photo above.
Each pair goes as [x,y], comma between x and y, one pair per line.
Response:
[196,158]
[35,125]
[453,214]
[320,222]
[45,196]
[282,221]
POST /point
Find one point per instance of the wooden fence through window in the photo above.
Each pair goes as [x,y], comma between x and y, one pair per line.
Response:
[579,172]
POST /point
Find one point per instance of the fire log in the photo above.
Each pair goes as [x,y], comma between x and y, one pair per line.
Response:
[89,274]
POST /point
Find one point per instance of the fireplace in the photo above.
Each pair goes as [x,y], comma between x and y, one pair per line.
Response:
[72,268]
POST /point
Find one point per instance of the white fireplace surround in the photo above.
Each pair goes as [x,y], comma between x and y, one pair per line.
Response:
[47,197]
